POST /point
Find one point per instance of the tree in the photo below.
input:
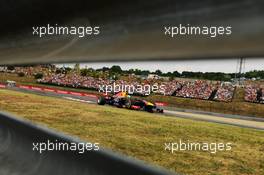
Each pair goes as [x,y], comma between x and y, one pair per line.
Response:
[176,74]
[145,72]
[116,69]
[84,72]
[130,71]
[77,67]
[67,69]
[104,69]
[137,72]
[187,74]
[158,72]
[255,74]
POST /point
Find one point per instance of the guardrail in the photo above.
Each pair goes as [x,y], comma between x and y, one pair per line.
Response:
[17,156]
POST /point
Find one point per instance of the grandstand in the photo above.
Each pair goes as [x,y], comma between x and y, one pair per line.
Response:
[178,87]
[254,94]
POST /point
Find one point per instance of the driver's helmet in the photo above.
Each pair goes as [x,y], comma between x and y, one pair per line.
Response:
[121,95]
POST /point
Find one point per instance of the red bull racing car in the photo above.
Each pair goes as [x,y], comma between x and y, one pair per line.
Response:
[123,100]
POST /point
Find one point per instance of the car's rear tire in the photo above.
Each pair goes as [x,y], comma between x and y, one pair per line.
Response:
[160,110]
[101,101]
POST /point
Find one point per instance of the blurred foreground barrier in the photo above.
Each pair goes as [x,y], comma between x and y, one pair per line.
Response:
[18,158]
[129,30]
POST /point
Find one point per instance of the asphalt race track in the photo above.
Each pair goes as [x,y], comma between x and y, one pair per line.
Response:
[240,121]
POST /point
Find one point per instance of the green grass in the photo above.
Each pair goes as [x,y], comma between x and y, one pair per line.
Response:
[142,135]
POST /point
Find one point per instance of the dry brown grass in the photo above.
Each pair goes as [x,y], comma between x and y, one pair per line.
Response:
[142,135]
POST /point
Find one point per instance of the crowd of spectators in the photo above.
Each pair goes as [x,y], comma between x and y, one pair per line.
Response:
[225,93]
[29,70]
[198,89]
[77,81]
[171,87]
[254,93]
[73,80]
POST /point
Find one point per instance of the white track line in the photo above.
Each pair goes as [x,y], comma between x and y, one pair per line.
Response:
[216,119]
[79,100]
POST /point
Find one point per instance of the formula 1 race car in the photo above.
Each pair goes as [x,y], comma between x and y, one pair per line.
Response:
[123,100]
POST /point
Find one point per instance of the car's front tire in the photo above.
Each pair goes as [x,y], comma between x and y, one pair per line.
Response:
[148,109]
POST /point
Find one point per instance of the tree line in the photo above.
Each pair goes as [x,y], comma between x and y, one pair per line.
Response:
[116,71]
[220,76]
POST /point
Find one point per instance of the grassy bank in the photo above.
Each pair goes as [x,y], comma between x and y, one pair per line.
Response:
[142,135]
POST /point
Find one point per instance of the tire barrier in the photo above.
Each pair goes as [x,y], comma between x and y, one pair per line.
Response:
[18,158]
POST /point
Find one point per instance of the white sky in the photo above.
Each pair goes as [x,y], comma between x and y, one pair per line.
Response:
[217,65]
